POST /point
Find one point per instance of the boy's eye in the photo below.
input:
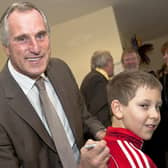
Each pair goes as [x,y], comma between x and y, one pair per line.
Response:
[158,107]
[144,106]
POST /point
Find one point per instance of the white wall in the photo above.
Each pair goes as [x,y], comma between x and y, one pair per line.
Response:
[75,41]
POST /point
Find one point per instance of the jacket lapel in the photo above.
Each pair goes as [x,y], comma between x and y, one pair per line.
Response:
[60,87]
[22,107]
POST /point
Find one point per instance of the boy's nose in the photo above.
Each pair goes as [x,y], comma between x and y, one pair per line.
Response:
[155,114]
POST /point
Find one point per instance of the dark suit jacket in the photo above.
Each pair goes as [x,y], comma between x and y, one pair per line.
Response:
[93,89]
[24,142]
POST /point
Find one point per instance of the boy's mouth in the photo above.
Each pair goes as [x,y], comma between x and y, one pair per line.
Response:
[151,126]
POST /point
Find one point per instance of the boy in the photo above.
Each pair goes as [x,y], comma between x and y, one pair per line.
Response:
[135,99]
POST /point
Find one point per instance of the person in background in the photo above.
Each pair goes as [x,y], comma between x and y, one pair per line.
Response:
[26,137]
[93,87]
[135,100]
[130,59]
[145,52]
[162,71]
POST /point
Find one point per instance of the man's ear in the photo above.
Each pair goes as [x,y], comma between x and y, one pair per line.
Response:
[117,109]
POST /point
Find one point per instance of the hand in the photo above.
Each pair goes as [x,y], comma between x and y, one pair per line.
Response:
[95,157]
[100,134]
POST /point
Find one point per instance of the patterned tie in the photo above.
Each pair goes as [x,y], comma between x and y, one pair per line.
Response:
[56,128]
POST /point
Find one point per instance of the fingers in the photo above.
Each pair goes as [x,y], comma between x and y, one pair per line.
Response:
[95,154]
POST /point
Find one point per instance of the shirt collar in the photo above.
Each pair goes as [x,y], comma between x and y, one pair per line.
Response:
[26,83]
[125,134]
[103,72]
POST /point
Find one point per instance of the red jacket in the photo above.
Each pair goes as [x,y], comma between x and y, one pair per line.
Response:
[125,150]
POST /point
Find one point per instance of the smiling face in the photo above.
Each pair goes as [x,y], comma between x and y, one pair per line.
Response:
[29,45]
[131,61]
[141,115]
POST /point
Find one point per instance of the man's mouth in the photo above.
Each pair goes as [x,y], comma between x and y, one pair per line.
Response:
[33,58]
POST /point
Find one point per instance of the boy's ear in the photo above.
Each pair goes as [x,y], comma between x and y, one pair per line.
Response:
[117,109]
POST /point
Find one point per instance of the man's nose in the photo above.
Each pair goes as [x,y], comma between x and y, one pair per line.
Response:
[34,46]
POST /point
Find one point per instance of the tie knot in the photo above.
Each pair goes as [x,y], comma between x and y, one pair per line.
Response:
[40,83]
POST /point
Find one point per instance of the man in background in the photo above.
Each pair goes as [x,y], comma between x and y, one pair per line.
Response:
[93,87]
[130,59]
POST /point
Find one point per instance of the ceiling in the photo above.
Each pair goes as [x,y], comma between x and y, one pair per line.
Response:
[146,18]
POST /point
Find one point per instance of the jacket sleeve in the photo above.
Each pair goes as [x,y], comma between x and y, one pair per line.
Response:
[91,124]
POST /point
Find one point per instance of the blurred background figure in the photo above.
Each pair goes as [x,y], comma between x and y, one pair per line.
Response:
[162,71]
[145,51]
[93,87]
[130,59]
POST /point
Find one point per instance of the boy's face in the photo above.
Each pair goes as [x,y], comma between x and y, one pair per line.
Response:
[142,114]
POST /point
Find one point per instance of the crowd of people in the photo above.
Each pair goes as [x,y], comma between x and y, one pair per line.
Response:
[46,121]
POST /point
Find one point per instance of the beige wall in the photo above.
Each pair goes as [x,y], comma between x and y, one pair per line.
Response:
[3,57]
[75,41]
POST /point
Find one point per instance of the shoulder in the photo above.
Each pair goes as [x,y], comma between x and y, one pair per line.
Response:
[58,69]
[56,62]
[94,76]
[58,66]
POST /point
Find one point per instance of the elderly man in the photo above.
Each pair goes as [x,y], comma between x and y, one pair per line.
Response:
[93,87]
[42,115]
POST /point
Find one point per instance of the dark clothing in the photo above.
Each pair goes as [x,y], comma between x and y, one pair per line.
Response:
[125,149]
[93,89]
[24,141]
[158,145]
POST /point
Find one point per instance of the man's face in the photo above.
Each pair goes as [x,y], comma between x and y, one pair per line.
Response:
[142,114]
[29,45]
[109,67]
[131,61]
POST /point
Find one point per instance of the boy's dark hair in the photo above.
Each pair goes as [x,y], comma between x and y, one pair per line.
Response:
[124,85]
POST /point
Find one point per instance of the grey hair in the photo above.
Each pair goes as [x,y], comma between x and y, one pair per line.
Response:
[99,59]
[20,6]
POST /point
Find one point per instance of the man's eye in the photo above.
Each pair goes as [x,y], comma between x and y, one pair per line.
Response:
[41,36]
[21,39]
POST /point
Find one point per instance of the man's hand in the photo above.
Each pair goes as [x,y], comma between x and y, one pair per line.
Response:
[94,156]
